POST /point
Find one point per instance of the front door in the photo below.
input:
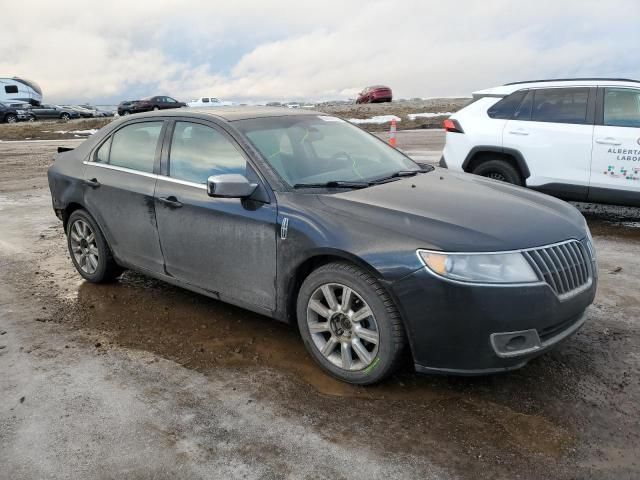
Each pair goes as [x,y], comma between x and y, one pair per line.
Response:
[553,130]
[120,183]
[615,167]
[224,245]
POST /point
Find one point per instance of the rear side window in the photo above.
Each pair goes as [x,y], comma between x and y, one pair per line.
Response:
[560,105]
[506,107]
[205,100]
[621,107]
[11,89]
[198,151]
[134,146]
[523,112]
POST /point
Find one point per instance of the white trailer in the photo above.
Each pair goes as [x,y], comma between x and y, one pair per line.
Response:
[15,89]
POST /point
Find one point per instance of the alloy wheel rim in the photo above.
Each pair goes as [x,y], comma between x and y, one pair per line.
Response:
[11,119]
[84,246]
[343,327]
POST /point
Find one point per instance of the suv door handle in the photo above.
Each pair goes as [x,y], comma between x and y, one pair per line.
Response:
[608,141]
[519,131]
[93,183]
[171,201]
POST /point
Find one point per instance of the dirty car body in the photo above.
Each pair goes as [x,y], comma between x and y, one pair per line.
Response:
[417,233]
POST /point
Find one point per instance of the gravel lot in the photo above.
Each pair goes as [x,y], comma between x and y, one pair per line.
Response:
[143,380]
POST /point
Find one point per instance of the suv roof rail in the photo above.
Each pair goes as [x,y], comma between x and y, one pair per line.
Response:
[575,79]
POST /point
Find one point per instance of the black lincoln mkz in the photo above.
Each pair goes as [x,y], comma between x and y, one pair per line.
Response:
[306,218]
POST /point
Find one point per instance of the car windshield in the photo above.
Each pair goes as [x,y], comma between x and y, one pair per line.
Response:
[316,149]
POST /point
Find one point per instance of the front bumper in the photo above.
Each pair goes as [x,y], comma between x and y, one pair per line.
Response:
[455,328]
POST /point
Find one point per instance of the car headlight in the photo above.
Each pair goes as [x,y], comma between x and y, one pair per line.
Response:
[509,267]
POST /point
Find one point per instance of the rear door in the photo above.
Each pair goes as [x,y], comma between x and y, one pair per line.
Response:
[553,130]
[120,182]
[224,245]
[615,167]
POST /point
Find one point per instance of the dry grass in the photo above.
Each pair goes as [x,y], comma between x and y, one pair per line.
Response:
[45,130]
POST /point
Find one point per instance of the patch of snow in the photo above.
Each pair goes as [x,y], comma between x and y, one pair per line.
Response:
[413,116]
[379,119]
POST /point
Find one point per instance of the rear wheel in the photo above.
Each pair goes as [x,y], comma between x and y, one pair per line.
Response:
[89,250]
[349,324]
[499,170]
[65,116]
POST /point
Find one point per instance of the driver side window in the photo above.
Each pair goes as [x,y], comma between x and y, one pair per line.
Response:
[198,151]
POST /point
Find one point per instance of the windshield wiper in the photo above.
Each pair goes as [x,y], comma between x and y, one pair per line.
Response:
[400,174]
[333,184]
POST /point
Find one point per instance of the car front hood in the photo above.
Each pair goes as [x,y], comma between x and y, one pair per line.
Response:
[461,212]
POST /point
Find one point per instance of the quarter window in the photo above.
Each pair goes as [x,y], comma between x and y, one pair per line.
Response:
[134,146]
[102,155]
[621,107]
[11,89]
[506,107]
[560,105]
[198,151]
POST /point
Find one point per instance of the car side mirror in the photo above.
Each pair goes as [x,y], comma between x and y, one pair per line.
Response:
[230,185]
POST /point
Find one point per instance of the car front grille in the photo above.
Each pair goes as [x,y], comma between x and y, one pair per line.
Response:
[565,267]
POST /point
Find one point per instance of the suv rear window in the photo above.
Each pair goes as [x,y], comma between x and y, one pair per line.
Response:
[506,107]
[560,105]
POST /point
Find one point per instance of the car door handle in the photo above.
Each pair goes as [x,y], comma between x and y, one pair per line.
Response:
[171,201]
[93,183]
[518,132]
[608,141]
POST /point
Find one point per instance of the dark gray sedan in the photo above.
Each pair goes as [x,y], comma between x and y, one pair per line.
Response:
[306,218]
[47,111]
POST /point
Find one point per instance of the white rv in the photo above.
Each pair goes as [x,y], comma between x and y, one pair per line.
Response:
[15,89]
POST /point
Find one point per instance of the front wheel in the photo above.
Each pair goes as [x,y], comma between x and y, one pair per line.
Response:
[89,250]
[65,116]
[349,324]
[11,118]
[499,170]
[155,109]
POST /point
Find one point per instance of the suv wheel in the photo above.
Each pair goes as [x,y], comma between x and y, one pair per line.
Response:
[89,251]
[11,118]
[499,170]
[349,324]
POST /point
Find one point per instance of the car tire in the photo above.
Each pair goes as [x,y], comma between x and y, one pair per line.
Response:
[10,118]
[32,119]
[337,337]
[499,170]
[156,108]
[126,113]
[89,250]
[65,116]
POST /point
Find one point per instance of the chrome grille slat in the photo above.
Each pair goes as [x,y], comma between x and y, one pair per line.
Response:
[575,282]
[565,267]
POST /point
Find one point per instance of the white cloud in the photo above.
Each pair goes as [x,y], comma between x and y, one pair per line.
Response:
[292,49]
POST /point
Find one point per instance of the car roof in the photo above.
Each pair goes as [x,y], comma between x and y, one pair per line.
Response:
[230,113]
[509,88]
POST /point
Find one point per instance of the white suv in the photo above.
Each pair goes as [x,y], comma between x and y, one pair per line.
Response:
[577,139]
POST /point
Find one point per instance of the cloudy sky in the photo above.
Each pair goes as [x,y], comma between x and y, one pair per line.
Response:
[257,50]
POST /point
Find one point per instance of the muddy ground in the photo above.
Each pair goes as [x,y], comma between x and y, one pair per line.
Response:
[61,129]
[141,380]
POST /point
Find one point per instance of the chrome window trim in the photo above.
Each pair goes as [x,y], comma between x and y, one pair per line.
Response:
[564,296]
[121,169]
[182,182]
[145,174]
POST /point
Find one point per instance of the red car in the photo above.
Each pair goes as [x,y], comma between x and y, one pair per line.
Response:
[375,94]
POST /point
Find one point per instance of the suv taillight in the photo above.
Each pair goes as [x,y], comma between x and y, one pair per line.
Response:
[451,125]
